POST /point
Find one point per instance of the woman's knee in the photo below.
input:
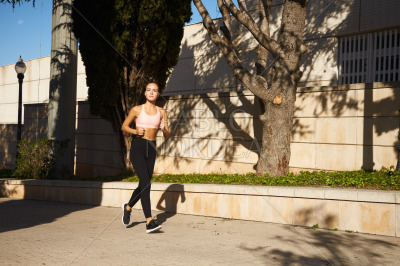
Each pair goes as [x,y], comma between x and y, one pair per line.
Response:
[146,188]
[144,184]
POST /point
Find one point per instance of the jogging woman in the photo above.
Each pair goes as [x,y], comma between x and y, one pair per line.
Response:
[149,118]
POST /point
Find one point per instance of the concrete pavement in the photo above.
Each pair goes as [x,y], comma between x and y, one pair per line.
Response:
[51,233]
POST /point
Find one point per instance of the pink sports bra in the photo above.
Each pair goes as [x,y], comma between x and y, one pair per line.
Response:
[148,121]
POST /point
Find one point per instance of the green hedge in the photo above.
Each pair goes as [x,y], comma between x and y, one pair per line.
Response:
[384,179]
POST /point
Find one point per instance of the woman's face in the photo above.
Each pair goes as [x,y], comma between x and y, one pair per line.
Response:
[151,92]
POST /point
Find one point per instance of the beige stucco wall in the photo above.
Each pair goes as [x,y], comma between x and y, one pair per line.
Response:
[335,128]
[35,87]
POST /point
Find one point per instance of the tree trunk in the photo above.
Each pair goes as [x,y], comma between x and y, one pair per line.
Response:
[277,119]
[127,151]
[62,89]
[275,150]
[125,139]
[132,81]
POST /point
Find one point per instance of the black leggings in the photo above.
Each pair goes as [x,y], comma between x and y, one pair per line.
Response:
[143,157]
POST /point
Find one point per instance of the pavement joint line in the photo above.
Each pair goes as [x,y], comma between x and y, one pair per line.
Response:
[291,225]
[91,242]
[294,227]
[108,226]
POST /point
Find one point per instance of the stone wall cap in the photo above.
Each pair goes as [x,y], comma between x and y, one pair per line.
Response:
[326,193]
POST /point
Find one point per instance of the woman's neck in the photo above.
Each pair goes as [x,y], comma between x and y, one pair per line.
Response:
[149,103]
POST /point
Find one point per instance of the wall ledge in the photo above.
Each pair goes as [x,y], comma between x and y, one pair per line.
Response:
[324,193]
[366,211]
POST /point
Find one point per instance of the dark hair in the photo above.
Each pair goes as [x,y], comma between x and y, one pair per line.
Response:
[158,87]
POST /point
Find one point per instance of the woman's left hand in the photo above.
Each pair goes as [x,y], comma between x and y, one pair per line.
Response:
[162,126]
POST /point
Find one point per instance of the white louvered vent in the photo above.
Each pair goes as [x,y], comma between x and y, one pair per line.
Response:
[371,57]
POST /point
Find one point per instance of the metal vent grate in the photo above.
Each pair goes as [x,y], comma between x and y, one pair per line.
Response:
[372,57]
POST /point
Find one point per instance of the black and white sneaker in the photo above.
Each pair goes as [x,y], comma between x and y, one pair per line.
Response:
[152,226]
[126,217]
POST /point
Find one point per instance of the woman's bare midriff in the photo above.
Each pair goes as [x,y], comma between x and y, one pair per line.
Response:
[150,133]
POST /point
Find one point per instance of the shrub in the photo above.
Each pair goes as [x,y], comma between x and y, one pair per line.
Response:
[35,159]
[385,179]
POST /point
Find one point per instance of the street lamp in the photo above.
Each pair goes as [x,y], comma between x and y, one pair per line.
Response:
[20,68]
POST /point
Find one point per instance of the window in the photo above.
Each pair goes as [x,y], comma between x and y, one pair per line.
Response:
[371,57]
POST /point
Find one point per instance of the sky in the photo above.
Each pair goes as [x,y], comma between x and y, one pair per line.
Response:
[26,30]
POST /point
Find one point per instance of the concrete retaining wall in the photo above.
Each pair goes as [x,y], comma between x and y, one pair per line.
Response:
[366,211]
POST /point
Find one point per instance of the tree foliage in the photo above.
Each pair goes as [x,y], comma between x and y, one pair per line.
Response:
[17,2]
[124,45]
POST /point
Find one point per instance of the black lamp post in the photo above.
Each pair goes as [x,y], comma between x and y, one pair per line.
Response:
[20,68]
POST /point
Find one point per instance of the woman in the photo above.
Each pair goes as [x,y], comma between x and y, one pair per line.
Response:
[149,118]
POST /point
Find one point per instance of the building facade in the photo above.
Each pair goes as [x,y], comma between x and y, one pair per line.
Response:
[346,110]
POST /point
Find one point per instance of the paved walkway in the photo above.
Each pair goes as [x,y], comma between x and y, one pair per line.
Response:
[52,233]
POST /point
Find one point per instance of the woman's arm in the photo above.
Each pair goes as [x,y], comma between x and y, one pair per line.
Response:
[164,125]
[126,126]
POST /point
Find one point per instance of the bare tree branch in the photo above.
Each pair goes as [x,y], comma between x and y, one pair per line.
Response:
[242,7]
[225,13]
[226,28]
[232,58]
[265,11]
[243,17]
[262,53]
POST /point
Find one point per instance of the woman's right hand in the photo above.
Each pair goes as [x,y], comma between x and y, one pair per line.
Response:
[140,131]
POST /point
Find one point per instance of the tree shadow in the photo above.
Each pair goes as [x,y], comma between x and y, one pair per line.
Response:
[181,125]
[330,248]
[21,214]
[211,80]
[310,216]
[171,197]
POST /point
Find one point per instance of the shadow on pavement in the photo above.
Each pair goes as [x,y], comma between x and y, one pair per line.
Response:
[135,223]
[330,248]
[20,214]
[171,197]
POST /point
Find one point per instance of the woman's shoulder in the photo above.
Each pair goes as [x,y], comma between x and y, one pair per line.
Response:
[138,106]
[161,109]
[136,109]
